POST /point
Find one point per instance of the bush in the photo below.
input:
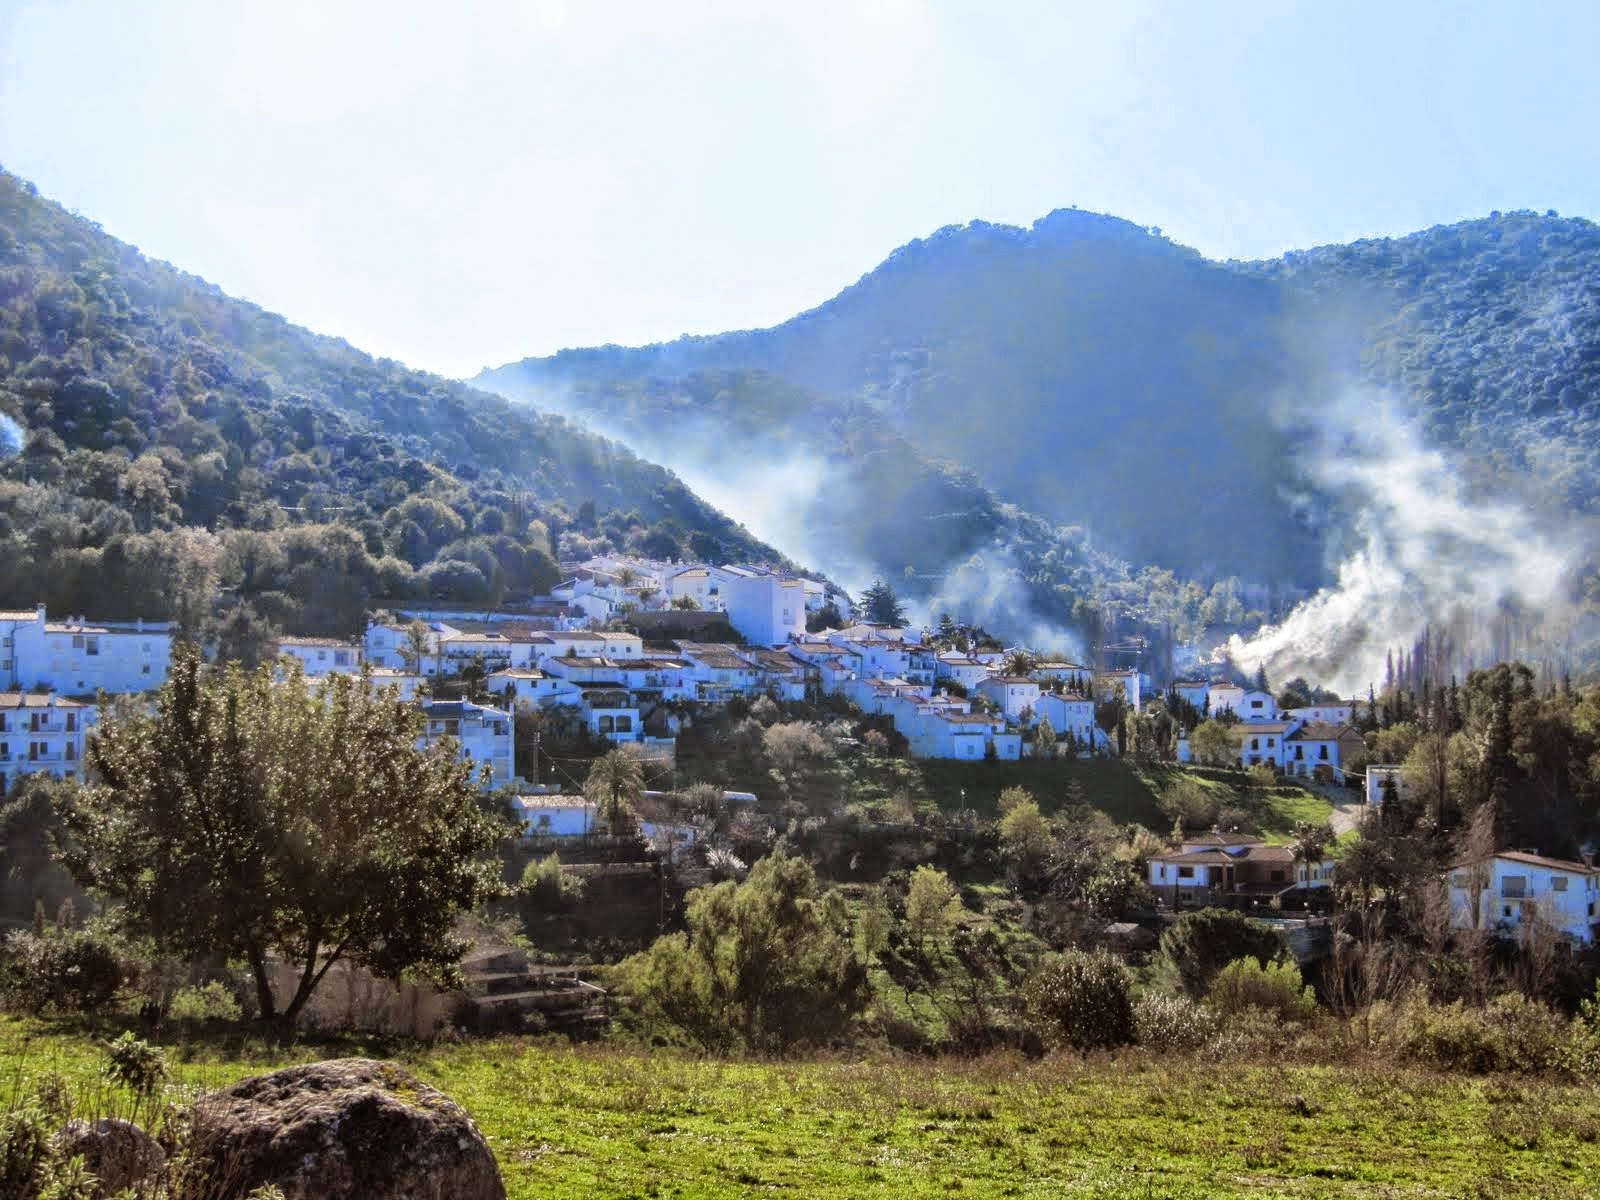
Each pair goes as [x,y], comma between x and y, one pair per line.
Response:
[1081,1000]
[1275,988]
[63,970]
[209,1002]
[1173,1024]
[1199,944]
[1511,1033]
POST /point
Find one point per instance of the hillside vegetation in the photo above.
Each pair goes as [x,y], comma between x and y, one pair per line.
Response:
[178,442]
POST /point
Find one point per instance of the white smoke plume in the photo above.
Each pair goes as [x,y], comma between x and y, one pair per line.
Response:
[990,589]
[1425,550]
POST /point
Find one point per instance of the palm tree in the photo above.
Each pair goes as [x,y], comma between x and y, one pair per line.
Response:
[1311,842]
[614,786]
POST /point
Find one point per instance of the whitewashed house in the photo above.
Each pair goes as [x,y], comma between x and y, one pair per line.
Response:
[321,656]
[784,676]
[767,610]
[1015,695]
[1378,777]
[495,651]
[958,668]
[1342,713]
[1516,889]
[482,734]
[42,732]
[1263,741]
[388,644]
[587,643]
[693,582]
[1223,696]
[1256,706]
[1071,713]
[531,686]
[1106,684]
[1193,691]
[718,673]
[1316,744]
[78,657]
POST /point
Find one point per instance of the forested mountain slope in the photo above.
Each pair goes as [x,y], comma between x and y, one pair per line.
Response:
[175,442]
[1165,409]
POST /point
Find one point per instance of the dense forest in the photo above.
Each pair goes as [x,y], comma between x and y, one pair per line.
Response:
[173,446]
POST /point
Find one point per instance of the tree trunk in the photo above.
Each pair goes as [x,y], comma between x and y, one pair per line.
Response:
[264,999]
[310,978]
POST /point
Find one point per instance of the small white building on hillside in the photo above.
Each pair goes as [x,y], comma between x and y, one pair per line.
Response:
[482,735]
[767,610]
[1256,706]
[1221,697]
[321,656]
[1071,713]
[1516,890]
[1262,742]
[1015,695]
[1316,744]
[1379,777]
[42,732]
[1106,684]
[77,657]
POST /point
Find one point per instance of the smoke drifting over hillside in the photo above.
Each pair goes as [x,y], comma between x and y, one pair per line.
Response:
[1421,550]
[12,437]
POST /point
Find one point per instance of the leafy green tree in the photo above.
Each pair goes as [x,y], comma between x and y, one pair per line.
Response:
[242,817]
[1025,839]
[615,785]
[1213,745]
[243,636]
[933,907]
[1199,944]
[766,966]
[1081,1000]
[880,606]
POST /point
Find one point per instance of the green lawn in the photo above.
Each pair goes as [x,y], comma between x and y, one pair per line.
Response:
[601,1122]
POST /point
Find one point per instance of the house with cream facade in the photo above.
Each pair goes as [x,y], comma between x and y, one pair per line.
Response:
[79,657]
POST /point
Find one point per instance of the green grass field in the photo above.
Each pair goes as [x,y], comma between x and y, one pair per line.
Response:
[598,1122]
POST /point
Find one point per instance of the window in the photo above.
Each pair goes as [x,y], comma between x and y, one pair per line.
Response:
[1513,887]
[624,724]
[1458,880]
[1299,753]
[5,756]
[1255,743]
[1558,884]
[1505,910]
[72,725]
[145,670]
[92,647]
[1322,753]
[71,753]
[1255,704]
[1161,872]
[1185,872]
[77,642]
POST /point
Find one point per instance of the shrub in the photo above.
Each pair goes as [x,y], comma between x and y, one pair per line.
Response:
[1529,1036]
[1199,944]
[1173,1024]
[1275,988]
[1081,1000]
[136,1065]
[209,1002]
[1449,1036]
[64,970]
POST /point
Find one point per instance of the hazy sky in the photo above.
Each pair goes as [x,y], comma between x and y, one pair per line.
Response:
[459,184]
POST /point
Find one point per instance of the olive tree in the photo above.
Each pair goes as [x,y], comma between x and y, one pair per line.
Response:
[245,816]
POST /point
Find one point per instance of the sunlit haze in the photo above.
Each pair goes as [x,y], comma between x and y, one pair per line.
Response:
[456,185]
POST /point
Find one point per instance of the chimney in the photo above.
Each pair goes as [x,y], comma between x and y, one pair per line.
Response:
[40,611]
[1588,858]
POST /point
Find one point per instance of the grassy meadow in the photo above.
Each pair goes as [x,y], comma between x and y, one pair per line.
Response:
[601,1121]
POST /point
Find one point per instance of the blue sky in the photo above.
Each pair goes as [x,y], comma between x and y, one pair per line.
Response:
[459,184]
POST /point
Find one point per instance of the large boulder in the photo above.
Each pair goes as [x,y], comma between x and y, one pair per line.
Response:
[346,1129]
[117,1153]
